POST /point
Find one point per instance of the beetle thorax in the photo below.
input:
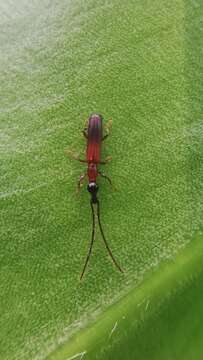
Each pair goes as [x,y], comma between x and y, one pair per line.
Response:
[92,172]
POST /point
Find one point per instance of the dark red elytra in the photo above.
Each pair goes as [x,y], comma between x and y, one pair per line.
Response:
[94,136]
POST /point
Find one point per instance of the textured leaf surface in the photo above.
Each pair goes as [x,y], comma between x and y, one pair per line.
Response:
[139,63]
[161,319]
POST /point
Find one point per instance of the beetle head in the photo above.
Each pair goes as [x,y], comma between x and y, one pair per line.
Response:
[93,188]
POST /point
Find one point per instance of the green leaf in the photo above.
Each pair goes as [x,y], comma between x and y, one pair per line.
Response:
[161,319]
[138,62]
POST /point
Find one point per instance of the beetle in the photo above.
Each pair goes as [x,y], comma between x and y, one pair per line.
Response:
[93,133]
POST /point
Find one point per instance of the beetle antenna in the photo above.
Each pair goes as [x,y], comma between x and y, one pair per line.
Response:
[104,239]
[91,243]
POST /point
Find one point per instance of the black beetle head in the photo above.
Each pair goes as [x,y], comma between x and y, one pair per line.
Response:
[93,188]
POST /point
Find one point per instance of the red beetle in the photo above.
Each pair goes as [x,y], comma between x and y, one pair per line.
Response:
[94,135]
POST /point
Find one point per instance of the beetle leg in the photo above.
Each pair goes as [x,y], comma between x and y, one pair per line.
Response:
[74,156]
[105,137]
[105,177]
[107,127]
[80,181]
[108,179]
[106,161]
[85,133]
